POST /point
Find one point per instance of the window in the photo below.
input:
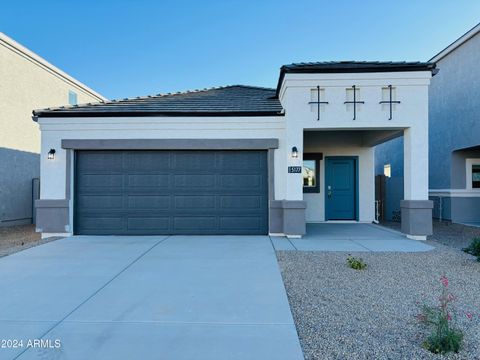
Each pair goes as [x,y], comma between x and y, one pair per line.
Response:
[472,174]
[315,98]
[475,176]
[311,172]
[386,98]
[72,97]
[387,170]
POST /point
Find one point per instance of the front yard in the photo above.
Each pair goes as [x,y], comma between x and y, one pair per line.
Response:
[341,313]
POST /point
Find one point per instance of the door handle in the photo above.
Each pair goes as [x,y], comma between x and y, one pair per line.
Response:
[329,191]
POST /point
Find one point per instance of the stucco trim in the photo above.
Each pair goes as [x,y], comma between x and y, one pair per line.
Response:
[170,144]
[417,204]
[455,193]
[52,215]
[51,203]
[288,217]
[416,217]
[68,173]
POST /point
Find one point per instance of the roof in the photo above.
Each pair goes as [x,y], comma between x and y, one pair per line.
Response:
[34,58]
[457,43]
[233,100]
[352,67]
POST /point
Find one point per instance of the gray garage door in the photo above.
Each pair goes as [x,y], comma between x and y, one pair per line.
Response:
[171,192]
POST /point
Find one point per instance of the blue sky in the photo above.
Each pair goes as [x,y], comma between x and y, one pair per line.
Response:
[130,48]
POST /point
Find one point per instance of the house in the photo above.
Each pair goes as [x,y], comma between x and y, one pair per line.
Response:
[27,82]
[454,137]
[231,160]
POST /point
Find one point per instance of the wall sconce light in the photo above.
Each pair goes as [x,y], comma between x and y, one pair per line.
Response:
[51,154]
[294,152]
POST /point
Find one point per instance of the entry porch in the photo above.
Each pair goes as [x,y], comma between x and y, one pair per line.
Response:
[350,238]
[337,180]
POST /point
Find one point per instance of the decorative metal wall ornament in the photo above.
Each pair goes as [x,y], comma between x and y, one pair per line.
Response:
[318,102]
[390,101]
[354,102]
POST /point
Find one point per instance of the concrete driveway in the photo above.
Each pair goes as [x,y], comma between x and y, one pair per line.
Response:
[180,297]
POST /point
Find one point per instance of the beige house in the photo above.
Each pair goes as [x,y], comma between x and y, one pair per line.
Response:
[27,82]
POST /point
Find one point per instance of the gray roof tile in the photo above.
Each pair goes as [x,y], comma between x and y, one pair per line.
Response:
[239,100]
[358,66]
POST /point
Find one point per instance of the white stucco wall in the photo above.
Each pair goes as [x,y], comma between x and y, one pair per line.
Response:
[53,172]
[411,116]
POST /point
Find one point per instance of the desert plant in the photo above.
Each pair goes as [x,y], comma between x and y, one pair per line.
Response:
[356,263]
[444,337]
[474,248]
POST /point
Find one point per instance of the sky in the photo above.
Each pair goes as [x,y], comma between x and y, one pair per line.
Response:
[133,48]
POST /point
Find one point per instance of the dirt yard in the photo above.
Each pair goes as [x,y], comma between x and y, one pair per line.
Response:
[17,238]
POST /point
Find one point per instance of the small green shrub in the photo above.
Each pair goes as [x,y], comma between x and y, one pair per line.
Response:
[356,263]
[445,337]
[449,341]
[474,248]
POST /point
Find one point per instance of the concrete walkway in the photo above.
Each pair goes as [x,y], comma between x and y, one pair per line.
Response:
[182,297]
[350,238]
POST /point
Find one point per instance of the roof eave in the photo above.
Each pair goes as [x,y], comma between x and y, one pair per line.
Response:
[429,66]
[63,114]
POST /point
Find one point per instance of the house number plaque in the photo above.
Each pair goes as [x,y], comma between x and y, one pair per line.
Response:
[294,169]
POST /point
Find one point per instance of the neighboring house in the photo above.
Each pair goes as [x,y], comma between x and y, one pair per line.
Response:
[228,160]
[27,82]
[454,137]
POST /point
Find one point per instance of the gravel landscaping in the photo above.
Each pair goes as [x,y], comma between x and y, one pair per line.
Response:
[18,238]
[454,235]
[341,313]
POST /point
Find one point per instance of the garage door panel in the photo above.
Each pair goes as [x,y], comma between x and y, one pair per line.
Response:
[141,224]
[241,202]
[100,180]
[199,223]
[138,202]
[155,180]
[100,201]
[171,192]
[239,223]
[146,161]
[92,225]
[189,160]
[192,181]
[240,181]
[95,161]
[241,160]
[194,202]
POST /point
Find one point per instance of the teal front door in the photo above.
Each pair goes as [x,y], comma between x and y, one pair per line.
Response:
[340,188]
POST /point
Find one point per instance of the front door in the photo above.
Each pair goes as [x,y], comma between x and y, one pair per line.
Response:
[340,188]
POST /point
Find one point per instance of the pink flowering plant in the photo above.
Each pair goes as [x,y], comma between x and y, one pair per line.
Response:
[445,337]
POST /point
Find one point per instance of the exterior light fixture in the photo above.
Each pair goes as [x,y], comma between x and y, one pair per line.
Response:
[51,154]
[294,152]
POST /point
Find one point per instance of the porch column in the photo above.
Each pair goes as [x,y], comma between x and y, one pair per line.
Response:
[416,208]
[287,215]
